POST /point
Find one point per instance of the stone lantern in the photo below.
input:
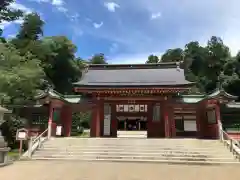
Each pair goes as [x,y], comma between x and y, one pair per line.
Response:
[3,146]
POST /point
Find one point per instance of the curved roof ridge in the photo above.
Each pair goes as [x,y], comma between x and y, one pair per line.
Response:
[133,66]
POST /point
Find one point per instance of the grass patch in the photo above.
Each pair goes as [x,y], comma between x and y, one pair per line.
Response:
[14,154]
[84,135]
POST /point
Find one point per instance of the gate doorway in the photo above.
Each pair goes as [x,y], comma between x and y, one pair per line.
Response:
[185,122]
[126,123]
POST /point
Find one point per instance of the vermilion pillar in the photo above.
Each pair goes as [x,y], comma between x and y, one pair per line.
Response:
[50,120]
[167,124]
[95,130]
[200,120]
[66,119]
[218,118]
[171,120]
[114,121]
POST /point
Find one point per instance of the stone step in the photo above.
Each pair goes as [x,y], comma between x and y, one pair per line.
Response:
[134,146]
[144,161]
[110,153]
[71,139]
[139,157]
[135,149]
[131,143]
[119,139]
[140,143]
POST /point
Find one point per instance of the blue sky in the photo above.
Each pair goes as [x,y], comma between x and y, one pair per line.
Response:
[127,31]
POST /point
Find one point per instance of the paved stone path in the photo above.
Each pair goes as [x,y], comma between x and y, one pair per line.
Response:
[72,170]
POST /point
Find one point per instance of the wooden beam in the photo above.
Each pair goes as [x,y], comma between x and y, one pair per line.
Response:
[132,98]
[127,91]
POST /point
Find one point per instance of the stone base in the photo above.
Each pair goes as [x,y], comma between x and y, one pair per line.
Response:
[3,152]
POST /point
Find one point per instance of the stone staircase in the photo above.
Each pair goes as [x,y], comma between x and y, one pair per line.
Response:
[132,134]
[190,151]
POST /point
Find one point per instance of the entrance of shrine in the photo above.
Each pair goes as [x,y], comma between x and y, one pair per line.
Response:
[132,123]
[131,117]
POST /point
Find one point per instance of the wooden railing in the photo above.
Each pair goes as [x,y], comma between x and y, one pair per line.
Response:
[229,142]
[36,142]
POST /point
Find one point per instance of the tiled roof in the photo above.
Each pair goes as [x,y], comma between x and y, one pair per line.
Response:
[138,75]
[68,98]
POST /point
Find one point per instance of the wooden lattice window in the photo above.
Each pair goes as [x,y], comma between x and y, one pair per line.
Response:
[211,116]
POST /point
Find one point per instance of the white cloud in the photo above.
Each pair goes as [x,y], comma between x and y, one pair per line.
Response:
[111,6]
[19,21]
[11,35]
[21,7]
[156,15]
[62,9]
[40,1]
[57,2]
[74,17]
[5,24]
[183,21]
[96,25]
[59,5]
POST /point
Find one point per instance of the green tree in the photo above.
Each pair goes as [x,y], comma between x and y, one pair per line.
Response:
[31,28]
[56,53]
[98,59]
[208,62]
[152,59]
[27,39]
[232,75]
[173,55]
[20,76]
[8,14]
[59,63]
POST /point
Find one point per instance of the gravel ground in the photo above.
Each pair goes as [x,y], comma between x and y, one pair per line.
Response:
[72,170]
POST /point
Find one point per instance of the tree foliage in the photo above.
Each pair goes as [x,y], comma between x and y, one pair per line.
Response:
[175,55]
[59,63]
[55,53]
[7,13]
[152,59]
[20,76]
[98,59]
[207,65]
